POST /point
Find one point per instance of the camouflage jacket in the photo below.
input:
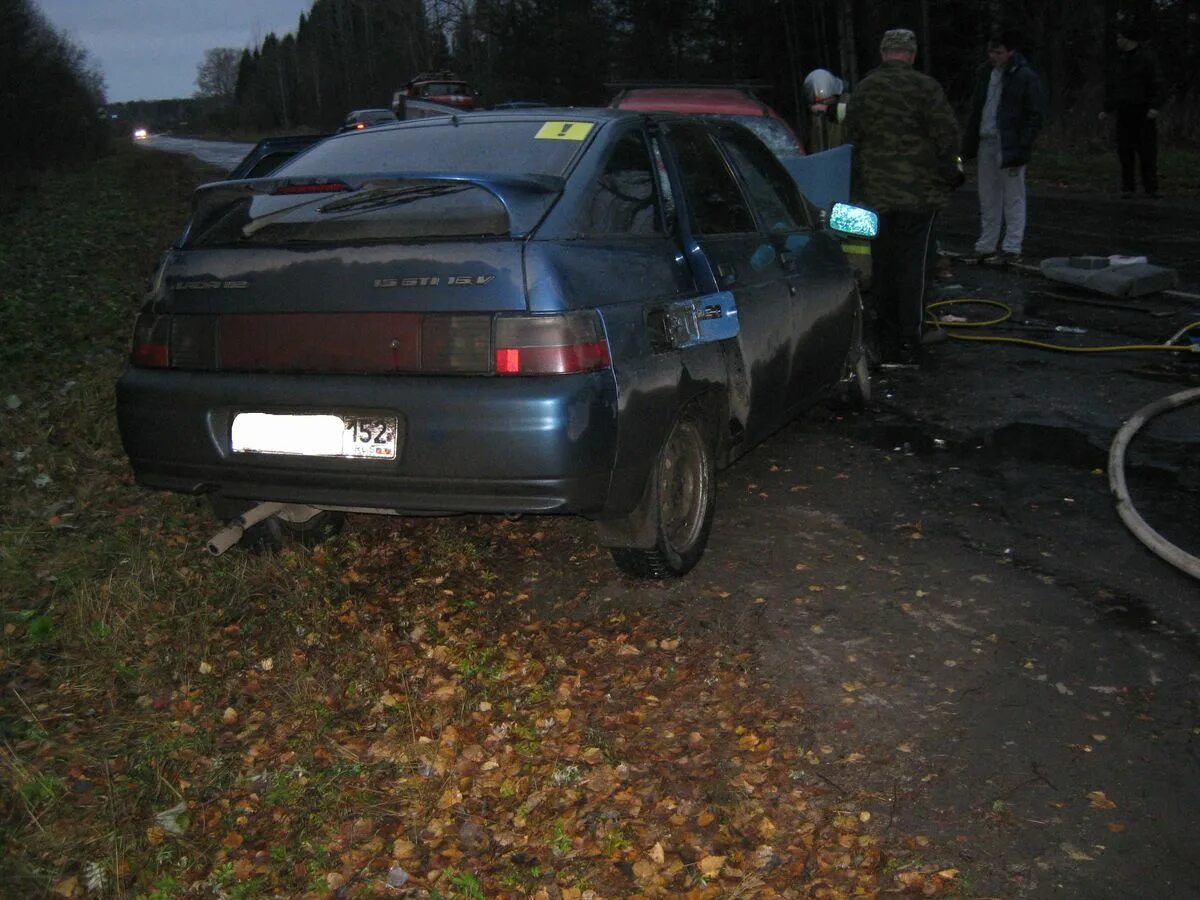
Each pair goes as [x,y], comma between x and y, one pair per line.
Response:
[905,140]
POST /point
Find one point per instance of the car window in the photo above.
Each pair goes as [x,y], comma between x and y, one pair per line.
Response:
[269,163]
[414,210]
[712,192]
[622,200]
[770,187]
[772,132]
[445,144]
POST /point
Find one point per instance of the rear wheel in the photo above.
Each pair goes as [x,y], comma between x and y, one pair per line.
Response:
[682,498]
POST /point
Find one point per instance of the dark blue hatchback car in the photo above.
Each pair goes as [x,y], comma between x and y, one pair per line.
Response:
[537,311]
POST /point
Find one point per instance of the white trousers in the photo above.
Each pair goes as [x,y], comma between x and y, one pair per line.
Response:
[1001,201]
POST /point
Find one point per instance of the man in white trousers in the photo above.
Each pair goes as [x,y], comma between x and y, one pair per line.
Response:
[1006,116]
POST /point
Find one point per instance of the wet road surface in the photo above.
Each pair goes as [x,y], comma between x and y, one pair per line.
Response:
[990,658]
[223,155]
[1062,223]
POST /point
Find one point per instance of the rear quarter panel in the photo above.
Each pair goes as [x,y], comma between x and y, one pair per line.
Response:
[626,279]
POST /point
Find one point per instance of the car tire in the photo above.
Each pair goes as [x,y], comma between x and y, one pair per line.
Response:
[682,498]
[853,392]
[276,533]
[858,391]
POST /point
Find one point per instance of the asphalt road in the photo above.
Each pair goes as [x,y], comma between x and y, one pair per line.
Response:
[1073,223]
[223,155]
[989,657]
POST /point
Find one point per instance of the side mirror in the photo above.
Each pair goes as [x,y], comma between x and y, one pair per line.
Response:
[853,221]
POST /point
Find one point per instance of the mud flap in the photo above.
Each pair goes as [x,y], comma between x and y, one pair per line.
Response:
[637,529]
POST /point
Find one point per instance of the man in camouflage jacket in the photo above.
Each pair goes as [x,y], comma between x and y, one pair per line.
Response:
[906,141]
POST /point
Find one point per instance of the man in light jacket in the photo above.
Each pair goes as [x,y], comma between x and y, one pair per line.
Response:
[1006,116]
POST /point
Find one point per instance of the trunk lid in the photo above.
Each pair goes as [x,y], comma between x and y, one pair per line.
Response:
[396,274]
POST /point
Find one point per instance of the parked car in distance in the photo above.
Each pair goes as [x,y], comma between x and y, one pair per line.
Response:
[538,311]
[270,153]
[733,102]
[442,87]
[367,118]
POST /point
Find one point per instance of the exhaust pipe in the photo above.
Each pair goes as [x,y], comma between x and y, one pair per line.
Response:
[232,533]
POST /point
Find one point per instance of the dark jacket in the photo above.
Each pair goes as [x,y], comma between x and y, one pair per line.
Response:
[905,140]
[1134,80]
[1018,118]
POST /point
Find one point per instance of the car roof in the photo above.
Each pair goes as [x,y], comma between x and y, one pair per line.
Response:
[596,114]
[694,99]
[369,112]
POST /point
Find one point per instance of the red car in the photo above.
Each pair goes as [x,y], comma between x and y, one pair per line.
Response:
[438,87]
[721,101]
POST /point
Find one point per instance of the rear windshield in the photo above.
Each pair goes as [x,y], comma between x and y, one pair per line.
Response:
[448,145]
[414,210]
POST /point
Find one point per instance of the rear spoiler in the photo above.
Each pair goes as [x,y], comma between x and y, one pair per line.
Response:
[526,198]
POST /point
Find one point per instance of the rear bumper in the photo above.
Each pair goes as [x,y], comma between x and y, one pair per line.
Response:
[486,445]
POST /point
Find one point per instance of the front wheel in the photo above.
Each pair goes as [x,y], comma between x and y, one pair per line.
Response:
[682,498]
[853,391]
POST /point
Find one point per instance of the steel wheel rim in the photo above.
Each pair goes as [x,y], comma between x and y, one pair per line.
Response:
[684,485]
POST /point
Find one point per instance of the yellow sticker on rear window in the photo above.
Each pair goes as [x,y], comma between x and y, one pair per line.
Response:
[564,131]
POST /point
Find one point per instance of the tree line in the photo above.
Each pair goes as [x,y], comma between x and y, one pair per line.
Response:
[51,96]
[348,54]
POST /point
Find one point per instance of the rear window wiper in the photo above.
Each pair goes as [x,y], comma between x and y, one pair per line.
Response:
[382,197]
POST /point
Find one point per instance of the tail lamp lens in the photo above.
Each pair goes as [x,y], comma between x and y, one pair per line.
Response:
[550,344]
[151,341]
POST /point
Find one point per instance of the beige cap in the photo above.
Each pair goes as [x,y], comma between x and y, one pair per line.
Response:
[898,39]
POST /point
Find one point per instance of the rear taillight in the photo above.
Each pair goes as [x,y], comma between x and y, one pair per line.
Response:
[550,344]
[151,341]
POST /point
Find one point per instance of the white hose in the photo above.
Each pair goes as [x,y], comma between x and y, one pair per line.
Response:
[1116,481]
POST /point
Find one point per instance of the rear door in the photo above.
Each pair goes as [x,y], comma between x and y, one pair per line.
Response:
[821,311]
[720,224]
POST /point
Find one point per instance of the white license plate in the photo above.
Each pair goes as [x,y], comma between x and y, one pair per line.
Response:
[347,437]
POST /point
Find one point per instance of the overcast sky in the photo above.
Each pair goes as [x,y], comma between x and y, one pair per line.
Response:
[149,49]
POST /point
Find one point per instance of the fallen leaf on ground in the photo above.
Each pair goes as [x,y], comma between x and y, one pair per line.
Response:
[711,865]
[1099,801]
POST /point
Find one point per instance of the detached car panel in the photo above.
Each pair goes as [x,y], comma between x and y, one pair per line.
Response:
[554,312]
